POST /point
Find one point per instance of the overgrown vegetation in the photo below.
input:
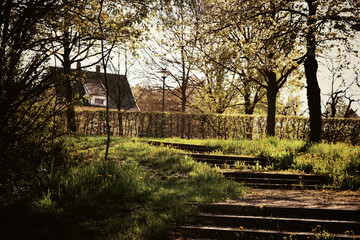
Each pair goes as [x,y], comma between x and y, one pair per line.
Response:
[340,162]
[140,193]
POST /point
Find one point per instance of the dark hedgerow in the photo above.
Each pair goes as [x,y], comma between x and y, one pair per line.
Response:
[207,126]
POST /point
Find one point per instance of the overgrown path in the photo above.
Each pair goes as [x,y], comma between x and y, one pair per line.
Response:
[278,206]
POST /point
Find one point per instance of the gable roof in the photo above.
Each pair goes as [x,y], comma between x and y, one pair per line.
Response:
[352,114]
[93,84]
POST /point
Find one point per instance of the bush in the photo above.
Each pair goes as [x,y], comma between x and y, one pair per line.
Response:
[28,148]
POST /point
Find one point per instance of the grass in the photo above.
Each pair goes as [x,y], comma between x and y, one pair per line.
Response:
[338,162]
[140,193]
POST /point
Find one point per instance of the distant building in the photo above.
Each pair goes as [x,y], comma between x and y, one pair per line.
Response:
[352,114]
[89,89]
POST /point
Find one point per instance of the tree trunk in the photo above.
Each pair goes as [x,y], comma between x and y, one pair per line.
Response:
[120,119]
[333,110]
[347,112]
[70,110]
[271,94]
[183,108]
[183,101]
[311,66]
[104,63]
[249,110]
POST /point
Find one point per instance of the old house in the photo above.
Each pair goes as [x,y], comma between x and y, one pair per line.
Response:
[89,89]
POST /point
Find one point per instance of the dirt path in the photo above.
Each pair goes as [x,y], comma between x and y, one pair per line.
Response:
[301,198]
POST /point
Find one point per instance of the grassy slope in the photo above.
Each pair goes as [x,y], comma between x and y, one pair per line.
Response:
[340,162]
[139,194]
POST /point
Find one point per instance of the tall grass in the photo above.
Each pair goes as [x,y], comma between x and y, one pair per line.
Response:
[340,162]
[140,193]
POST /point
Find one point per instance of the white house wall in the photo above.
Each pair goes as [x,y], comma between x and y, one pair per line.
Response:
[92,101]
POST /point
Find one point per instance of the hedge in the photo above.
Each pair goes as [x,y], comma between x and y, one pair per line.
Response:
[202,126]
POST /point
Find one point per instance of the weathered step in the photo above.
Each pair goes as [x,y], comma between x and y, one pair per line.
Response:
[284,186]
[183,146]
[288,224]
[257,174]
[281,212]
[213,159]
[232,221]
[272,183]
[276,180]
[210,232]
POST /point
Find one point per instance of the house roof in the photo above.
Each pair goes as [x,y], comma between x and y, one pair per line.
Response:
[353,114]
[93,84]
[121,95]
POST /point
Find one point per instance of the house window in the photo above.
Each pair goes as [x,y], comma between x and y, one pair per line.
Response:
[99,101]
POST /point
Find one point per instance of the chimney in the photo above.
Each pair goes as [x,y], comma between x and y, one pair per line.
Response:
[78,65]
[98,69]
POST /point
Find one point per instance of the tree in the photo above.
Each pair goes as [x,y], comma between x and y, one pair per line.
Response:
[313,22]
[263,48]
[118,21]
[218,87]
[289,104]
[27,116]
[79,35]
[335,106]
[175,48]
[226,26]
[73,30]
[277,57]
[325,21]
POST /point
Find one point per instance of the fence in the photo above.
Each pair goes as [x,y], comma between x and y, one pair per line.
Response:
[202,126]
